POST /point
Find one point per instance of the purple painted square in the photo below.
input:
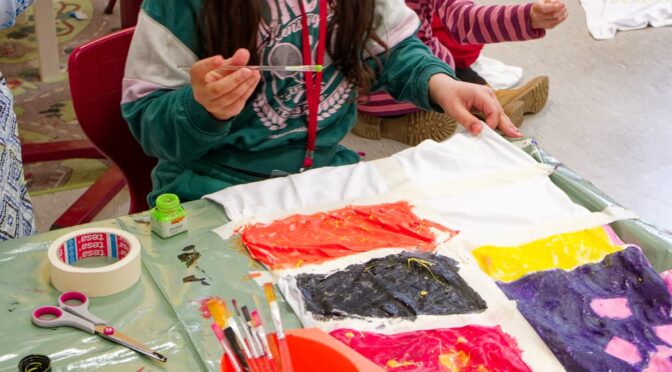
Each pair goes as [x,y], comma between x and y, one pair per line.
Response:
[558,305]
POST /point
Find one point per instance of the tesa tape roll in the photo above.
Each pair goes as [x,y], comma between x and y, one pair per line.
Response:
[95,242]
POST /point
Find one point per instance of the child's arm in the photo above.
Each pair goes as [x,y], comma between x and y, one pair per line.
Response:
[174,114]
[472,24]
[9,9]
[410,73]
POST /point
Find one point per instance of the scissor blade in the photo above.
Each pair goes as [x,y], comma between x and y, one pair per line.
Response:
[129,342]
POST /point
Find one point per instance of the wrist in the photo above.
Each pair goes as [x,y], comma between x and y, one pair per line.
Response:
[439,85]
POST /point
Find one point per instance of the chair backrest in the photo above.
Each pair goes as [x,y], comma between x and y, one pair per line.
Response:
[96,70]
[129,12]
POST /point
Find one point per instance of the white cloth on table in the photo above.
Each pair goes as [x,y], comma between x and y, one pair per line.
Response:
[472,184]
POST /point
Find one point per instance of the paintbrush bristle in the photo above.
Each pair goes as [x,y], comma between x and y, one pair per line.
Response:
[269,292]
[225,310]
[235,307]
[216,312]
[256,319]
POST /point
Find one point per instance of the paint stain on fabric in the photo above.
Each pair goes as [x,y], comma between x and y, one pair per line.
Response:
[667,278]
[661,361]
[558,306]
[393,364]
[390,287]
[614,308]
[664,333]
[468,348]
[623,350]
[315,238]
[563,251]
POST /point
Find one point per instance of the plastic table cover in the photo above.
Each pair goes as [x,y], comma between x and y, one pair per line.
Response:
[163,311]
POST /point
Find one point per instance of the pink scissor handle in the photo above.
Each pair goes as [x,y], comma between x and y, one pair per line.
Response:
[61,319]
[81,309]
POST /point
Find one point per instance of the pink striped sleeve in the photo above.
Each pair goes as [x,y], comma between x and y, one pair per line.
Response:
[471,24]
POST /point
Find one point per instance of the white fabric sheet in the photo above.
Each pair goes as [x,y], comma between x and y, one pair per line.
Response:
[606,17]
[498,74]
[319,186]
[483,186]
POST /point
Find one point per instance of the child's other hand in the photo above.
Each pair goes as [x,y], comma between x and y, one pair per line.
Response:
[458,99]
[223,93]
[547,14]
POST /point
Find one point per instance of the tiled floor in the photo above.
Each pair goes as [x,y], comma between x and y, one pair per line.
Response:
[609,116]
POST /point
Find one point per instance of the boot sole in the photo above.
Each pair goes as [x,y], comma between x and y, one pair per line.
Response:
[534,95]
[410,129]
[516,112]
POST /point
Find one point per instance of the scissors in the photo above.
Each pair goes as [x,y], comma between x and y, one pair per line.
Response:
[78,316]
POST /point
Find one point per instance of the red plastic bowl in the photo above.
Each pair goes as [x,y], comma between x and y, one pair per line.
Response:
[314,350]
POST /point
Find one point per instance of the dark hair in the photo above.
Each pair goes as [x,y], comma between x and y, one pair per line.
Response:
[227,25]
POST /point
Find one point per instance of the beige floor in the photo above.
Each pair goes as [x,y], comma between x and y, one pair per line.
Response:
[609,116]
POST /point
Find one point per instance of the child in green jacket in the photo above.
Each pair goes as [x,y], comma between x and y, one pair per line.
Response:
[212,128]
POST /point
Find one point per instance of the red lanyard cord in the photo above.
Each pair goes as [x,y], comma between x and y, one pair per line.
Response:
[313,79]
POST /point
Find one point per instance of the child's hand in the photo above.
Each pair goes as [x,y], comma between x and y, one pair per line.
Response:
[547,14]
[223,93]
[458,99]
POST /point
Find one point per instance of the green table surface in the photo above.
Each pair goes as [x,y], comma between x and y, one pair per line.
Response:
[160,310]
[163,312]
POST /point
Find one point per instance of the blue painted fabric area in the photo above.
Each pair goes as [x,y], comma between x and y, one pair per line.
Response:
[557,305]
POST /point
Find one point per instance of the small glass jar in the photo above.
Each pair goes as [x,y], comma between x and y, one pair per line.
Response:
[168,218]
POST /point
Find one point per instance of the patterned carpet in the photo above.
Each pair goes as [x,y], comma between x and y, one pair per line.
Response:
[45,110]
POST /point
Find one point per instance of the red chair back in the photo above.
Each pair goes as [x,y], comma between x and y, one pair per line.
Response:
[96,70]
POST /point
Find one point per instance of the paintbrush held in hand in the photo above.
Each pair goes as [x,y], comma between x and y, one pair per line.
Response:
[298,68]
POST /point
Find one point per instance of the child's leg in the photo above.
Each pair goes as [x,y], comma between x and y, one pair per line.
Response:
[528,99]
[410,129]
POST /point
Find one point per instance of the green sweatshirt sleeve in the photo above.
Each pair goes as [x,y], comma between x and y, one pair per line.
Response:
[404,72]
[170,124]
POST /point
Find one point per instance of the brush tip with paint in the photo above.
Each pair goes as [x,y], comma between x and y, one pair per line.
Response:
[269,292]
[256,319]
[217,312]
[235,307]
[246,313]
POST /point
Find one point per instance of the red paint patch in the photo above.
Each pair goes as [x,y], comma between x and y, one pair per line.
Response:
[469,348]
[302,239]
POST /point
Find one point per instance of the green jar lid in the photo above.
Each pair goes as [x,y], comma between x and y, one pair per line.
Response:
[168,202]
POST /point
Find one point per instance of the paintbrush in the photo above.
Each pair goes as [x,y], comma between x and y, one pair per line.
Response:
[268,361]
[297,68]
[270,343]
[249,338]
[239,335]
[217,311]
[261,334]
[225,345]
[285,357]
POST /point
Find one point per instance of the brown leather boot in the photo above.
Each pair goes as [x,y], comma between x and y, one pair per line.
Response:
[528,99]
[410,129]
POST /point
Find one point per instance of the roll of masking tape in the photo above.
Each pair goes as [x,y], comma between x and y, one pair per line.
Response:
[118,245]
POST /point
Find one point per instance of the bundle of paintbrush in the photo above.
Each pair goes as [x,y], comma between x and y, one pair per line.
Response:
[245,342]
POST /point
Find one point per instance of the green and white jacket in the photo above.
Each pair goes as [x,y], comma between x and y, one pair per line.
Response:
[199,154]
